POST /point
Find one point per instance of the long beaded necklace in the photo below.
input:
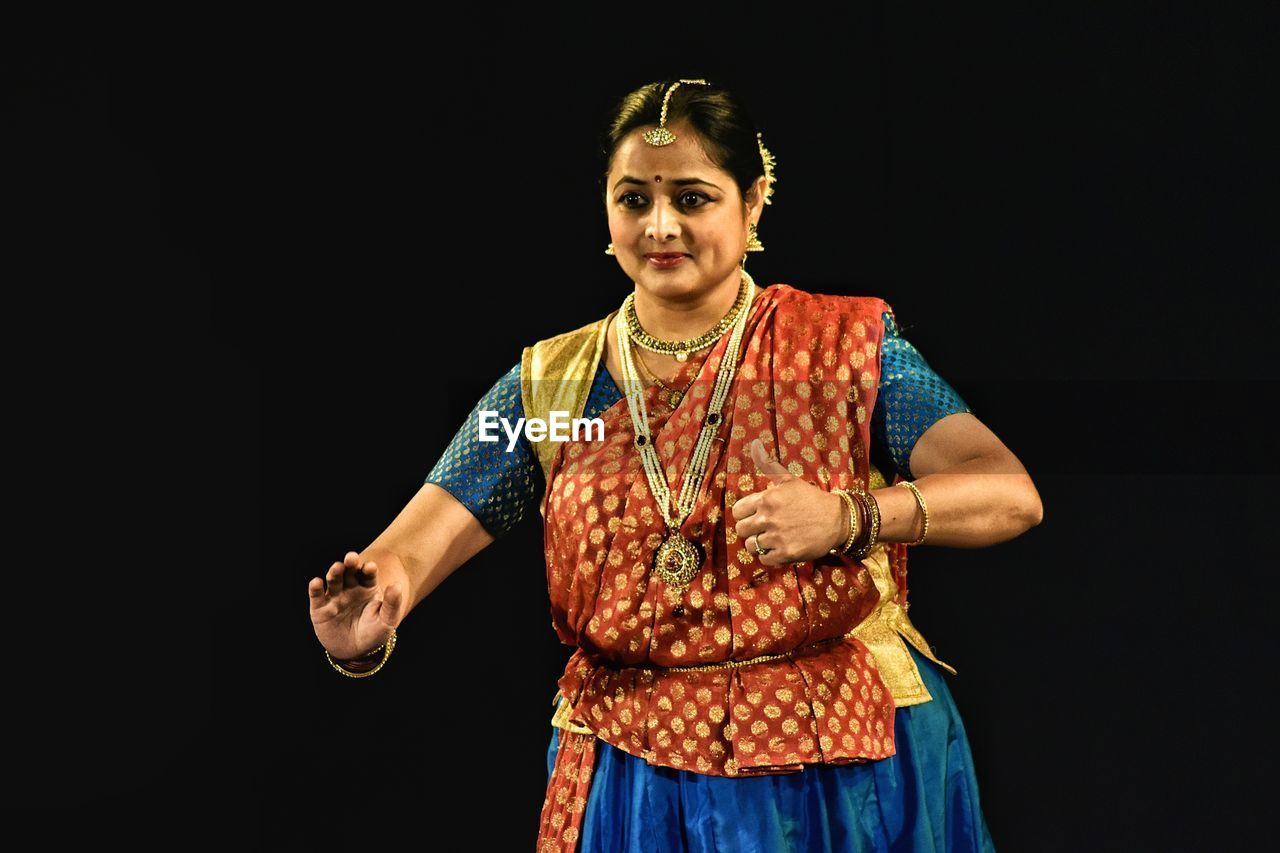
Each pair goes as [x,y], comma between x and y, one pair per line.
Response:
[678,559]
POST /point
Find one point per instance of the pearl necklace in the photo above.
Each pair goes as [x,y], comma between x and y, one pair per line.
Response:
[678,559]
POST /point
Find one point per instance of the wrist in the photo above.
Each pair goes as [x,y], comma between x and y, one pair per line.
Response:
[371,656]
[369,663]
[842,525]
[868,533]
[849,523]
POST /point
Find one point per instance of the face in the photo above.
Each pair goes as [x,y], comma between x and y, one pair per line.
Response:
[673,200]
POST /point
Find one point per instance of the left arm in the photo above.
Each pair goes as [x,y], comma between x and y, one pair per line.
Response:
[977,491]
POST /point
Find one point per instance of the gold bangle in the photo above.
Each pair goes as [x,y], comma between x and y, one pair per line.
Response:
[853,524]
[924,510]
[389,646]
[873,510]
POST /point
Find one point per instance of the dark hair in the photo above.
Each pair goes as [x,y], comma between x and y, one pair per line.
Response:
[727,132]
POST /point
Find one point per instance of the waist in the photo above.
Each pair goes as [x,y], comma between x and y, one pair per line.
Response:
[597,661]
[823,702]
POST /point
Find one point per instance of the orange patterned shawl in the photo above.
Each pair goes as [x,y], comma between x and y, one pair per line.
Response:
[806,385]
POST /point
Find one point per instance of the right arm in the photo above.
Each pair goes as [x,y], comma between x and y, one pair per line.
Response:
[476,492]
[433,535]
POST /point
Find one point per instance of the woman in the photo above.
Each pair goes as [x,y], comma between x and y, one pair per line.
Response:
[727,559]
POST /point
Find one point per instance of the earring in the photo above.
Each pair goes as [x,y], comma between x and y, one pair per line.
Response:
[609,250]
[753,240]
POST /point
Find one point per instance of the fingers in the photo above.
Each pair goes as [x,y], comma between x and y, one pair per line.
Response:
[772,555]
[392,605]
[348,573]
[352,563]
[771,540]
[749,526]
[333,579]
[746,505]
[775,470]
[774,559]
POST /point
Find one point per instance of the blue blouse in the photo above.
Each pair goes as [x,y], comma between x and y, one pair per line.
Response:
[499,488]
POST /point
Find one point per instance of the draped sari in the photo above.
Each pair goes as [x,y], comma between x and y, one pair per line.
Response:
[749,670]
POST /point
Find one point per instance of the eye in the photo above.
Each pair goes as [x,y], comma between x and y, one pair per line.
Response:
[688,198]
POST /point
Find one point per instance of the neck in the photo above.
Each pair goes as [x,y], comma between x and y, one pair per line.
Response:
[681,319]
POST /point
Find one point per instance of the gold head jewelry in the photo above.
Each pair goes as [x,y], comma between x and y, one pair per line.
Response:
[769,163]
[660,136]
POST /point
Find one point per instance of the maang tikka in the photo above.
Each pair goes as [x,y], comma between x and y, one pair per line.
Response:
[661,135]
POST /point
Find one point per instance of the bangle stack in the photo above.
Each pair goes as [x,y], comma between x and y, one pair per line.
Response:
[864,523]
[383,651]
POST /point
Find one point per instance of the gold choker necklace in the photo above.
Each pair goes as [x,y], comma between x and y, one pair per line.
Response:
[682,349]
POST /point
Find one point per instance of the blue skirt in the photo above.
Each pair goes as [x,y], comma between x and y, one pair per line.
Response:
[924,798]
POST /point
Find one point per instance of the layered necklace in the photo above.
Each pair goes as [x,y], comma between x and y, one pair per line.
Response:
[678,559]
[682,349]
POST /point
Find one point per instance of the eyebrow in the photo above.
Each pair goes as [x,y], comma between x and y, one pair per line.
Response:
[679,182]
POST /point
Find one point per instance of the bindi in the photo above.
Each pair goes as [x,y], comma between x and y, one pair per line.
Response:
[657,179]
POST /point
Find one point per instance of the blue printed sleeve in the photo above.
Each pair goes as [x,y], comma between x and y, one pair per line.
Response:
[498,487]
[911,398]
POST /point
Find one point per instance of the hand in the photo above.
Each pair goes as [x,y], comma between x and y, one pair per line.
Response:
[797,520]
[358,610]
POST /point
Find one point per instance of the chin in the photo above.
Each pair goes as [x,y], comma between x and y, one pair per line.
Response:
[667,285]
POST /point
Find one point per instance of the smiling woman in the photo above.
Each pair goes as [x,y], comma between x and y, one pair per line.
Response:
[728,558]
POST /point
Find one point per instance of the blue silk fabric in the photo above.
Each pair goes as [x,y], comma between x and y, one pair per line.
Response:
[924,798]
[500,488]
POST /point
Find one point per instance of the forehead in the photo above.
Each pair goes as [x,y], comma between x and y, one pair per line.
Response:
[684,156]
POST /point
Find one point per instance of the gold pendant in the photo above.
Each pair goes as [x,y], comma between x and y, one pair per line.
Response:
[677,560]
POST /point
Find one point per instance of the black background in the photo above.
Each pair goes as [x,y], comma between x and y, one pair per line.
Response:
[262,269]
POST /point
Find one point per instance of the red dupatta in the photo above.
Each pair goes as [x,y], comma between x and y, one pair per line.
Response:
[658,672]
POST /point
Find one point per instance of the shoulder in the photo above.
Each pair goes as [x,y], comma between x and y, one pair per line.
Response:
[548,355]
[574,334]
[873,313]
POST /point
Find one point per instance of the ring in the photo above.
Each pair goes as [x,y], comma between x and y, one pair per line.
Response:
[761,551]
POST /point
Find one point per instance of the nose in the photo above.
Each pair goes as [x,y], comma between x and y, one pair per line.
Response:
[664,222]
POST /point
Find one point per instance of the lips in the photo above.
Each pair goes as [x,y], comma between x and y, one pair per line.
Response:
[665,260]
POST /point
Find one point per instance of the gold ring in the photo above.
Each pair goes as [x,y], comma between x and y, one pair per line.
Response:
[761,551]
